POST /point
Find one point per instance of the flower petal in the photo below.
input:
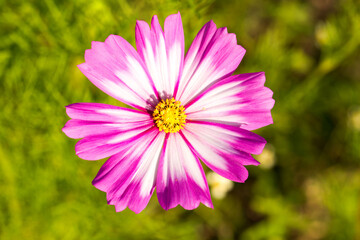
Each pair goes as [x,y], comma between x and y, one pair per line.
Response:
[105,145]
[162,51]
[240,100]
[128,177]
[105,129]
[91,119]
[223,148]
[75,128]
[116,68]
[213,55]
[180,177]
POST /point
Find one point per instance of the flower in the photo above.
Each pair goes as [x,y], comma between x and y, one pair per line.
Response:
[219,186]
[267,157]
[185,109]
[354,118]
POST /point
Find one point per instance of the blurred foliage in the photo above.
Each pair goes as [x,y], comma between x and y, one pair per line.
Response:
[309,185]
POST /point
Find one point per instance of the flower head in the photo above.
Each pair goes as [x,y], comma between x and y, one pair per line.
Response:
[186,109]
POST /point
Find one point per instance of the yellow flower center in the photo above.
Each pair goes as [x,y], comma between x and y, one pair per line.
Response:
[169,116]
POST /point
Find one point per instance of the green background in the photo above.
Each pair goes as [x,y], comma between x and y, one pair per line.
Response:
[309,51]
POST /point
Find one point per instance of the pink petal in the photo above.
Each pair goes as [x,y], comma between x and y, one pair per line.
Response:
[240,100]
[116,68]
[162,51]
[75,128]
[213,55]
[105,129]
[105,145]
[128,177]
[90,119]
[104,112]
[223,148]
[180,177]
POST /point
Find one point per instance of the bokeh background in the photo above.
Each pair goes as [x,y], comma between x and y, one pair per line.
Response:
[308,184]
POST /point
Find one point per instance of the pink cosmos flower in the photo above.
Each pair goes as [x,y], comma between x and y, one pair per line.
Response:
[186,109]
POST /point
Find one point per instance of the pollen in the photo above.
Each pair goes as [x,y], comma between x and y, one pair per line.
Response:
[169,116]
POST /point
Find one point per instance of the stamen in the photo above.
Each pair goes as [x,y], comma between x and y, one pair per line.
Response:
[169,116]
